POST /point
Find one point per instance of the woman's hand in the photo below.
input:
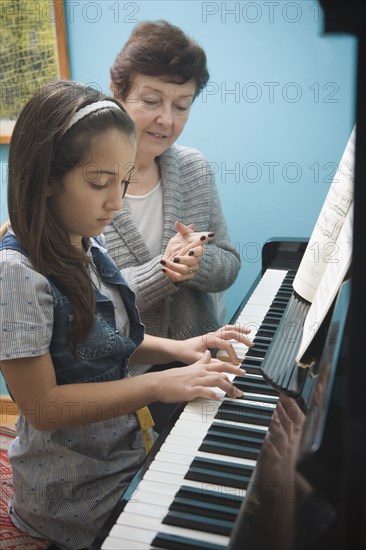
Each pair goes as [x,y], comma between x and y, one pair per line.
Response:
[183,254]
[198,380]
[221,339]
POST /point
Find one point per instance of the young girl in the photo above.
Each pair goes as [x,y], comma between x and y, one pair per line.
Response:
[69,323]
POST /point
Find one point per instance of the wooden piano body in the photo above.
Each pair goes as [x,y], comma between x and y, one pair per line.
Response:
[245,479]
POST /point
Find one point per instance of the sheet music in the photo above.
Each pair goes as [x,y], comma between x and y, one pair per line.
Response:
[329,251]
[323,247]
[329,284]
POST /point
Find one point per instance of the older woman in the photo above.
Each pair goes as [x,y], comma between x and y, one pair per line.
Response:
[170,239]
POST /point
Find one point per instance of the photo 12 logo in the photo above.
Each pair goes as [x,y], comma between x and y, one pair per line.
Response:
[271,92]
[72,10]
[260,11]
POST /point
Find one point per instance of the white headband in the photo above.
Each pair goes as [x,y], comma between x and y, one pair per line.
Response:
[85,111]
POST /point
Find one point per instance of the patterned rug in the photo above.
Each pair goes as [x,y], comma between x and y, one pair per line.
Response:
[11,538]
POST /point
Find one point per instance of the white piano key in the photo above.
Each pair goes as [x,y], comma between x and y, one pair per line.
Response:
[179,447]
[234,423]
[152,498]
[113,543]
[165,456]
[261,299]
[186,426]
[257,427]
[130,519]
[134,534]
[159,477]
[171,468]
[254,309]
[226,458]
[170,478]
[182,439]
[187,459]
[247,400]
[146,535]
[145,508]
[197,418]
[154,486]
[258,397]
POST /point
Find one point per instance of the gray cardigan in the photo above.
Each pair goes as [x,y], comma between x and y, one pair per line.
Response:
[189,194]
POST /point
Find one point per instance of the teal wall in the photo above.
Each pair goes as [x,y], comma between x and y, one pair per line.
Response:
[275,117]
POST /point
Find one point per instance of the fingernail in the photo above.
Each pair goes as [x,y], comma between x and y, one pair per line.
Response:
[163,262]
[164,270]
[238,392]
[191,253]
[176,260]
[211,234]
[203,238]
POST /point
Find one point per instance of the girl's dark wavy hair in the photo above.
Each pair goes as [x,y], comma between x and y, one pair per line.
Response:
[158,48]
[41,152]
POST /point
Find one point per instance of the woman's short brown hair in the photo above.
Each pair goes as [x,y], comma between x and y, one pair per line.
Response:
[159,49]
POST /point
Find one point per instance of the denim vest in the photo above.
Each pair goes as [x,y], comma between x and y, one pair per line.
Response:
[104,354]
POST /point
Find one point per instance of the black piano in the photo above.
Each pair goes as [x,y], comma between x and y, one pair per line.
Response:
[279,469]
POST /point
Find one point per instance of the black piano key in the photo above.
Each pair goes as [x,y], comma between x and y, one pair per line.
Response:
[259,347]
[252,365]
[267,332]
[250,384]
[280,305]
[204,496]
[229,449]
[260,340]
[249,434]
[207,509]
[208,503]
[278,311]
[175,542]
[217,472]
[267,328]
[266,400]
[201,523]
[282,296]
[274,313]
[229,440]
[239,411]
[272,321]
[255,352]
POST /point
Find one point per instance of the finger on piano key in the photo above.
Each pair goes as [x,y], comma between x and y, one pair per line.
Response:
[256,308]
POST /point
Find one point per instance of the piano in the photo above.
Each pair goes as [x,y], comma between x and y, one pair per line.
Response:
[190,492]
[272,470]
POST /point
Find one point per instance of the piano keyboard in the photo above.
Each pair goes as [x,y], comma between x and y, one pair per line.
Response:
[190,496]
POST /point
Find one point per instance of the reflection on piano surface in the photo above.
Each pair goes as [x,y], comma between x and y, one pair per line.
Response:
[294,490]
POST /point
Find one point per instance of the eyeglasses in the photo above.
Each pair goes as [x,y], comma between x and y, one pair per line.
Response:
[126,183]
